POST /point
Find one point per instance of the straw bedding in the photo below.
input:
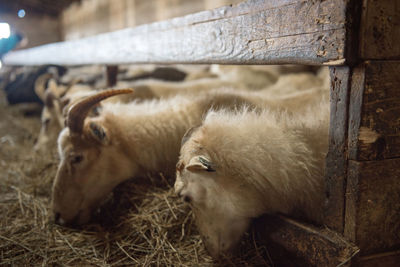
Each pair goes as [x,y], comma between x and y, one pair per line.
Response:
[141,224]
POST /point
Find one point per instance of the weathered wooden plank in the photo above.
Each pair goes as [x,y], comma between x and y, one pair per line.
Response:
[372,219]
[253,32]
[380,29]
[374,131]
[291,243]
[388,259]
[336,160]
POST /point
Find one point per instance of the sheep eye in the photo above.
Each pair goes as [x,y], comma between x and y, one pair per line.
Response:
[76,159]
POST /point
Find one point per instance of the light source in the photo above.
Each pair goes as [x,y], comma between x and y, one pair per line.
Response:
[21,13]
[4,30]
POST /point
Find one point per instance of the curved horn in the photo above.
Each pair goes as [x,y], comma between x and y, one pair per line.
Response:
[40,85]
[78,112]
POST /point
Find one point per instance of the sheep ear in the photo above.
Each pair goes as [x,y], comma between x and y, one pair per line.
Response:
[200,163]
[99,133]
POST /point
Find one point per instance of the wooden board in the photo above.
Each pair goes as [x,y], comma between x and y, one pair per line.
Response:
[388,259]
[380,30]
[372,219]
[374,111]
[253,32]
[291,243]
[336,160]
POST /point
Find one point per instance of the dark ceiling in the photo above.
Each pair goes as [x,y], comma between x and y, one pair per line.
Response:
[44,7]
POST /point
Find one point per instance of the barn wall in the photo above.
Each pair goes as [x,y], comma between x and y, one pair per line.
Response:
[39,29]
[92,17]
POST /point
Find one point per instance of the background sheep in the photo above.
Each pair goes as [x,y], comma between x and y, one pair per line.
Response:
[240,165]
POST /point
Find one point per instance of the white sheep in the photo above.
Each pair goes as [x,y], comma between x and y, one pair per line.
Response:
[239,165]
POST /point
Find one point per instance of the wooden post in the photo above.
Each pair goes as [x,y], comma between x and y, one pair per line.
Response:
[362,174]
[372,217]
[112,73]
[372,199]
[336,160]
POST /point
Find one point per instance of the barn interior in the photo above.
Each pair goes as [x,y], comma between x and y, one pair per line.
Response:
[143,221]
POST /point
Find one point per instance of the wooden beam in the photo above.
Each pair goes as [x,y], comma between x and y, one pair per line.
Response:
[253,32]
[374,111]
[373,205]
[387,259]
[291,243]
[380,30]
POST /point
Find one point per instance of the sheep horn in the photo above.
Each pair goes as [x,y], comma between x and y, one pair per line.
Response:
[40,84]
[78,112]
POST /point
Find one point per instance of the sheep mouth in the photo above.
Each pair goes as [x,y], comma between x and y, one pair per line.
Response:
[75,222]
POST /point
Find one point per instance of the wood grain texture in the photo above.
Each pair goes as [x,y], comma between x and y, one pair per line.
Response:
[372,219]
[380,30]
[336,160]
[253,32]
[388,259]
[374,131]
[291,243]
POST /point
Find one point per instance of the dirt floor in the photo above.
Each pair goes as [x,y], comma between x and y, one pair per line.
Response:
[142,223]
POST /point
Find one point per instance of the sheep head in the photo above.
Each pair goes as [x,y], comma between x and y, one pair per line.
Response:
[223,206]
[90,162]
[50,117]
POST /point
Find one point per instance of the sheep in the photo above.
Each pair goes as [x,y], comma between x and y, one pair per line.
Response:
[239,165]
[151,88]
[295,82]
[123,141]
[267,78]
[55,98]
[20,89]
[256,77]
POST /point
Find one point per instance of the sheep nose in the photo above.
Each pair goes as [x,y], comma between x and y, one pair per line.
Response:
[187,199]
[56,217]
[184,197]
